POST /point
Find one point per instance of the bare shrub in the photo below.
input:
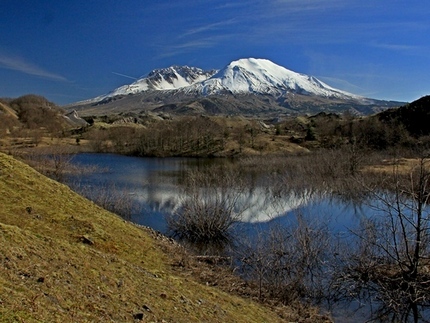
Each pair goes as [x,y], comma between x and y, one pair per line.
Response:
[54,161]
[289,263]
[210,208]
[110,197]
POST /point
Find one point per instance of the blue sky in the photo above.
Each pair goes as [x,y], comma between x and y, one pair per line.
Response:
[74,50]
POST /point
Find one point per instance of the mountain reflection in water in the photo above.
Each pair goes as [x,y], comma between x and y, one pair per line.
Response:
[154,184]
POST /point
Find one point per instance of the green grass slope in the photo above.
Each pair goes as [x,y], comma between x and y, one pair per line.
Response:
[63,259]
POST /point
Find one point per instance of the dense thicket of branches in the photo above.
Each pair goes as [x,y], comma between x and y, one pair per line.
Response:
[185,136]
[35,111]
[210,208]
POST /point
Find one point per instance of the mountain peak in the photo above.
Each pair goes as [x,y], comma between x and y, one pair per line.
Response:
[262,76]
[250,63]
[240,85]
[254,63]
[169,78]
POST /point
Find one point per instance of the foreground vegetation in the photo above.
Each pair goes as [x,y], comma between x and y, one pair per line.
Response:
[62,258]
[381,160]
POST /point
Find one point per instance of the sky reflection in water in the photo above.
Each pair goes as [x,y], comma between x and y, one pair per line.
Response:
[153,184]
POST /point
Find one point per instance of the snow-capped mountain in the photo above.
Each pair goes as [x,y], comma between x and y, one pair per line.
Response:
[247,75]
[246,86]
[261,76]
[170,78]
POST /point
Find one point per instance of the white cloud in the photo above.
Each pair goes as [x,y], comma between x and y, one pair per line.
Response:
[20,65]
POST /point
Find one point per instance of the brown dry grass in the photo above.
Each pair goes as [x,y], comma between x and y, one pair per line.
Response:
[389,166]
[63,259]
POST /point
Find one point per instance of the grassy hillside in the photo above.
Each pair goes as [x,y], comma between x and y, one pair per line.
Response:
[63,259]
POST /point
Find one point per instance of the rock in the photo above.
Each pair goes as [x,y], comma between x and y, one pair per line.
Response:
[138,316]
[74,119]
[87,240]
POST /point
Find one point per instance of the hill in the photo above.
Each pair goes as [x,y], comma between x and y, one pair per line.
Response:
[31,120]
[31,115]
[62,258]
[414,117]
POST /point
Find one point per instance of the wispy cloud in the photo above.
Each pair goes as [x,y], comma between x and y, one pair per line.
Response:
[305,5]
[20,65]
[258,23]
[323,22]
[172,49]
[396,47]
[342,84]
[209,27]
[233,5]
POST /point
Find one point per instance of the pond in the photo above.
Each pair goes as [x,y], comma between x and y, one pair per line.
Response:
[153,184]
[316,228]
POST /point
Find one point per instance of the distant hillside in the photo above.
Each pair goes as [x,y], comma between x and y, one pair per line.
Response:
[415,116]
[63,259]
[31,112]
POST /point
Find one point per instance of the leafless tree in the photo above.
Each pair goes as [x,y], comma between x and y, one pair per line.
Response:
[390,267]
[290,262]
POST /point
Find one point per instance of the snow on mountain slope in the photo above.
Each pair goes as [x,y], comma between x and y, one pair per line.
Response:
[262,76]
[170,78]
[244,76]
[174,77]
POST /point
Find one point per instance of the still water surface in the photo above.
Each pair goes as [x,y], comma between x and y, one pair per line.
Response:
[154,185]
